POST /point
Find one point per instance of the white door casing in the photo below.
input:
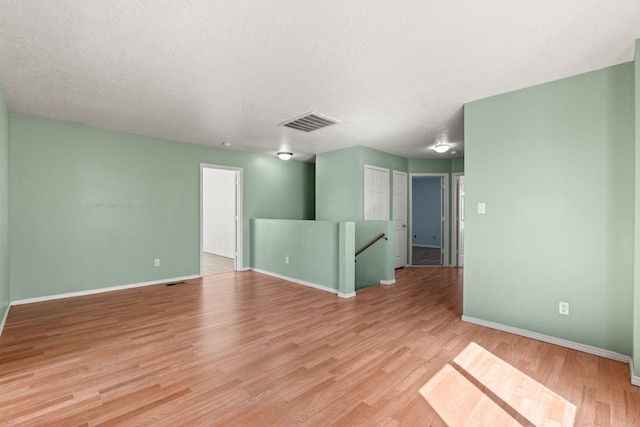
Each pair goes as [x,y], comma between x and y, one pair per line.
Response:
[376,193]
[400,216]
[238,244]
[460,235]
[444,213]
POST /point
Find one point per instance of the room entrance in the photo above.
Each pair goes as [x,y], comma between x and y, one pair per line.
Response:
[429,222]
[220,219]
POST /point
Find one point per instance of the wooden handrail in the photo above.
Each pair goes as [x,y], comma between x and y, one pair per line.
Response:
[371,243]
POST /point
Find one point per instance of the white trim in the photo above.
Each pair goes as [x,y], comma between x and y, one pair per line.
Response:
[427,246]
[405,224]
[4,319]
[239,244]
[549,339]
[388,282]
[244,269]
[101,290]
[454,221]
[444,239]
[635,380]
[349,295]
[298,281]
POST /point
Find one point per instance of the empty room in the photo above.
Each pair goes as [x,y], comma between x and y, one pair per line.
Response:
[319,213]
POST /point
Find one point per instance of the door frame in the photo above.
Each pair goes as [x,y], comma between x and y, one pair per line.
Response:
[238,261]
[455,188]
[406,214]
[446,262]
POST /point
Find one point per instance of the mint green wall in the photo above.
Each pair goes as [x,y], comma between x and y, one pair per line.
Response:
[378,261]
[554,165]
[339,185]
[92,208]
[457,165]
[312,248]
[636,269]
[4,205]
[340,181]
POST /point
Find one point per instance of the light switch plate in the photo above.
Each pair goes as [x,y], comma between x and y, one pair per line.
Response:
[482,208]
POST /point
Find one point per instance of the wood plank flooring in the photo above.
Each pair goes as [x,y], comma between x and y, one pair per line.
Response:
[243,348]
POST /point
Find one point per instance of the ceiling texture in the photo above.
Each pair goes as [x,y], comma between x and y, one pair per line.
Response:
[395,74]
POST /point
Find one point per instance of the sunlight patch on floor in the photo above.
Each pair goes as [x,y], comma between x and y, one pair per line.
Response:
[479,389]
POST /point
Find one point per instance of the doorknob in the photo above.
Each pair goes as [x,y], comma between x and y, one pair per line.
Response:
[404,225]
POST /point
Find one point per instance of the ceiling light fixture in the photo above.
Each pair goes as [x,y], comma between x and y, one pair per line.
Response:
[284,155]
[441,147]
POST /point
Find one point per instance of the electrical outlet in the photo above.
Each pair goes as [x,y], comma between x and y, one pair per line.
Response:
[563,308]
[286,260]
[156,262]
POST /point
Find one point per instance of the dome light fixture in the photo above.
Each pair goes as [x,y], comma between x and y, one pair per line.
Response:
[284,155]
[441,147]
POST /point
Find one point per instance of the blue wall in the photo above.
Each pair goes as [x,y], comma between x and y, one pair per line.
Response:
[425,211]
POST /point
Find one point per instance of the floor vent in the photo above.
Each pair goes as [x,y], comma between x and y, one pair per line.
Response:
[309,122]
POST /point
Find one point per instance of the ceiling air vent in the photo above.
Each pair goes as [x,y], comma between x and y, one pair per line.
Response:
[309,122]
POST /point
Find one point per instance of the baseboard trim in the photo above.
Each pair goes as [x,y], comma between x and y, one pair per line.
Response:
[244,269]
[298,281]
[349,295]
[635,380]
[549,339]
[388,282]
[101,290]
[4,319]
[426,246]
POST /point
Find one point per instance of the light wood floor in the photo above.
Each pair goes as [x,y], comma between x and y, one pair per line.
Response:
[215,264]
[243,348]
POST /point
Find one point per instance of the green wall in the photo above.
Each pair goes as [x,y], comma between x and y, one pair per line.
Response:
[554,165]
[377,262]
[316,251]
[340,181]
[4,206]
[92,208]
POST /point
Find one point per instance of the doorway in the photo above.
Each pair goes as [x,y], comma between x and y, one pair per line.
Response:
[400,216]
[458,219]
[429,219]
[220,219]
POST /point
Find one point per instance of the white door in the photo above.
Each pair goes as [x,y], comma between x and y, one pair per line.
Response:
[376,193]
[461,221]
[400,216]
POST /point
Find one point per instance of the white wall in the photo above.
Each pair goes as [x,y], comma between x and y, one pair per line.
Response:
[219,209]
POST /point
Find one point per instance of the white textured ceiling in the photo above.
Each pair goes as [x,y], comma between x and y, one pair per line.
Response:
[395,73]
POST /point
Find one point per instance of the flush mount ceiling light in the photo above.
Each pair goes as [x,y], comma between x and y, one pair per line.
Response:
[441,147]
[284,155]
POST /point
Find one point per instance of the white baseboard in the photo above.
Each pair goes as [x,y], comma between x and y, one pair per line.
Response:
[349,295]
[427,246]
[244,269]
[101,290]
[388,282]
[558,341]
[4,318]
[635,380]
[302,282]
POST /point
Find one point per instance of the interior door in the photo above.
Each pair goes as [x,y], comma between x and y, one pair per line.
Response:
[400,216]
[461,221]
[376,193]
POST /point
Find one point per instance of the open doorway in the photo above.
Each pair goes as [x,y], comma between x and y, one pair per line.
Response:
[220,219]
[458,220]
[429,222]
